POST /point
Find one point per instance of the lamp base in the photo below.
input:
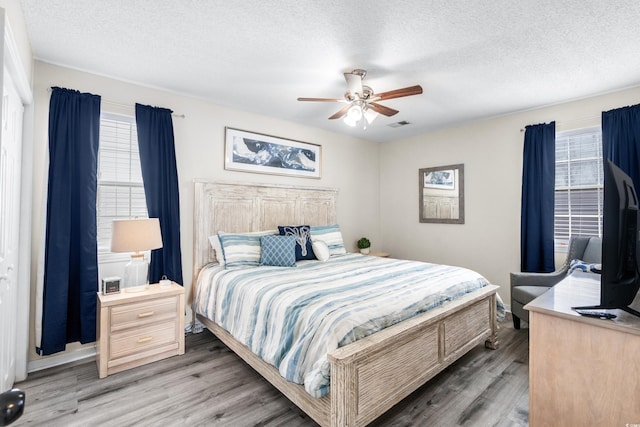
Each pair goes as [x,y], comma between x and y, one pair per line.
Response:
[136,274]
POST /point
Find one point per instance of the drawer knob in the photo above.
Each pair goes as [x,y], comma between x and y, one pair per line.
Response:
[146,314]
[145,339]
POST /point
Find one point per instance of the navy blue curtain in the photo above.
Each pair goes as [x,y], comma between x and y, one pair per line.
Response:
[538,196]
[71,253]
[160,177]
[621,140]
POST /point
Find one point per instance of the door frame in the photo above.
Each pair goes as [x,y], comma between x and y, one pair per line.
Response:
[15,67]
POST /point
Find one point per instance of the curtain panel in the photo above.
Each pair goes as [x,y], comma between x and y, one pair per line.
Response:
[160,178]
[538,197]
[70,255]
[621,140]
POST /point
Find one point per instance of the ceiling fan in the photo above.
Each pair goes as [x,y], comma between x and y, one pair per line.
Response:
[362,102]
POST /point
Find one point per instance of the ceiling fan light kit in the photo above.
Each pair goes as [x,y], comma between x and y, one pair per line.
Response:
[370,115]
[354,113]
[357,112]
[362,106]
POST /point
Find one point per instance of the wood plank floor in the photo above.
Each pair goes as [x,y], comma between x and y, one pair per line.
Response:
[211,386]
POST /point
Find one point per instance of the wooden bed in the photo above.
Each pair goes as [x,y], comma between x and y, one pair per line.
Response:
[368,376]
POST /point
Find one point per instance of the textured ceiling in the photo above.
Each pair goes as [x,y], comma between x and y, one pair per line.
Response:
[474,59]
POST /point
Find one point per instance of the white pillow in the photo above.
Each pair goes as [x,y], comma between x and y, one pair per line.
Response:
[321,249]
[217,249]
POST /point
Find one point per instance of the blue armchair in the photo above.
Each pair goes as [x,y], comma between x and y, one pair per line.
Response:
[525,287]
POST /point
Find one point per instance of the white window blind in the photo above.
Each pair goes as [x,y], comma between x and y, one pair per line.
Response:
[120,190]
[579,185]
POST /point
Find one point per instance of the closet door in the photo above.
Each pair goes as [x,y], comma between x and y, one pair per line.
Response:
[10,163]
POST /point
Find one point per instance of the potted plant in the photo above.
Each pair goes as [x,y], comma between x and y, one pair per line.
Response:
[364,244]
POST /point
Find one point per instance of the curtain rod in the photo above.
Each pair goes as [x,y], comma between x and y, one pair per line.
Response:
[119,104]
[565,122]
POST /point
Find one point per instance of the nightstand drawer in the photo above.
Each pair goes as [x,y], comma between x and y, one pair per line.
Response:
[140,339]
[143,313]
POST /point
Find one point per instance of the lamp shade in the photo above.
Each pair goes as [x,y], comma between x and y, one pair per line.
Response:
[355,112]
[370,115]
[135,235]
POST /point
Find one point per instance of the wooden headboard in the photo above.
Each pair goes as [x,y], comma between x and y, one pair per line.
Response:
[241,207]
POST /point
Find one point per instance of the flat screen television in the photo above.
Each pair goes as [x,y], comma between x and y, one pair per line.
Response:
[620,277]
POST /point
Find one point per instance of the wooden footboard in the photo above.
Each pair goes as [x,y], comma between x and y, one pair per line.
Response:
[371,375]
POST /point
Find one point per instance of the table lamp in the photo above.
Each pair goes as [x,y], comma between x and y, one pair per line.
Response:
[136,235]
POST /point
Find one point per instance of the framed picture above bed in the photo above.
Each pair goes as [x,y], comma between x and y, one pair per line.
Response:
[255,152]
[441,194]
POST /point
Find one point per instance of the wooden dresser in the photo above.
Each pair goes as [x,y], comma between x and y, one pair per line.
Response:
[139,327]
[583,371]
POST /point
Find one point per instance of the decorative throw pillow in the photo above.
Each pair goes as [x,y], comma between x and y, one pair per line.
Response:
[278,251]
[579,265]
[331,235]
[304,250]
[217,249]
[320,249]
[242,249]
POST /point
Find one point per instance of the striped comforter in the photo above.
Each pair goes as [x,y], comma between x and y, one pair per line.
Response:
[292,317]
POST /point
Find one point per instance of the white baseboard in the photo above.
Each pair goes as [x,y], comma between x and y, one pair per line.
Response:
[86,353]
[67,357]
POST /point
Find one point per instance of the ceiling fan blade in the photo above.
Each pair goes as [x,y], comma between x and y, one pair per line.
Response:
[340,113]
[321,99]
[382,109]
[398,93]
[354,83]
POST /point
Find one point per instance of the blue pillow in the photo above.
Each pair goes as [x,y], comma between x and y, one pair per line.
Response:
[579,265]
[278,251]
[302,234]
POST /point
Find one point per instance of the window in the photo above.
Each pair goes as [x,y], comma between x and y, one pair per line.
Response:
[120,190]
[579,185]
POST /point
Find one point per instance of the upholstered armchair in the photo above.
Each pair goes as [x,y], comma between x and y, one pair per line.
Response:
[525,287]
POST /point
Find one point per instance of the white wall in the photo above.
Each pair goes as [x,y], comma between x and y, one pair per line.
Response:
[491,151]
[349,164]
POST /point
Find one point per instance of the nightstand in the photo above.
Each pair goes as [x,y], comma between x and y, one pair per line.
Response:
[138,328]
[380,254]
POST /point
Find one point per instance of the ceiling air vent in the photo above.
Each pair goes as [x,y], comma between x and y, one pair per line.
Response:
[399,124]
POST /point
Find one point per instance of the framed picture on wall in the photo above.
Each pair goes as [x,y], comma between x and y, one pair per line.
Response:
[441,194]
[442,179]
[255,152]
